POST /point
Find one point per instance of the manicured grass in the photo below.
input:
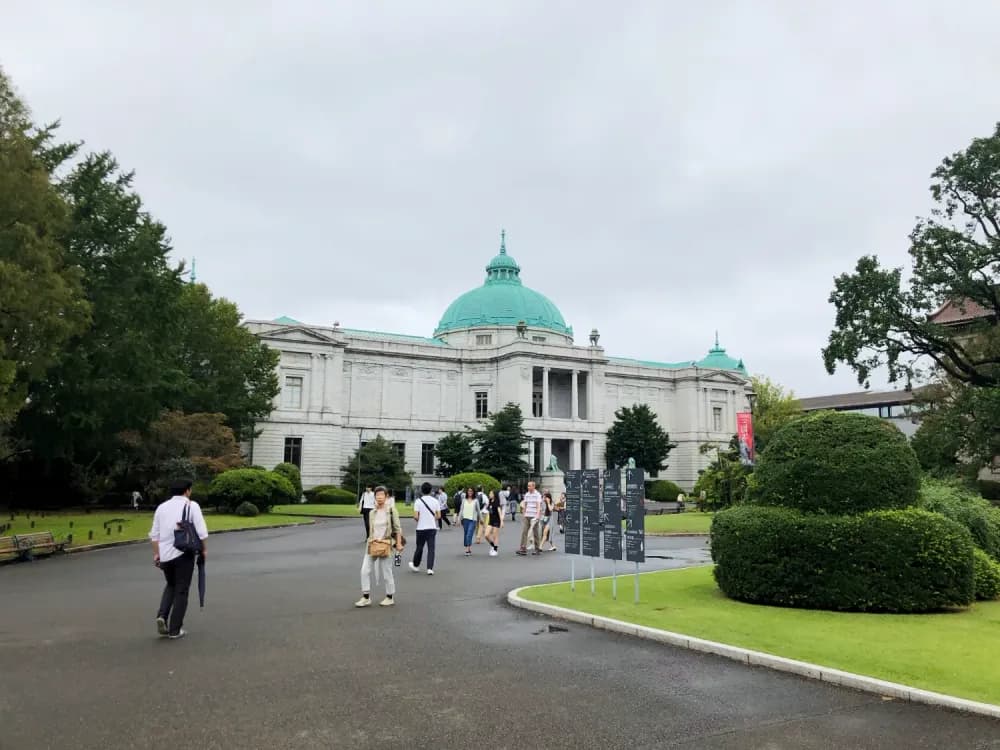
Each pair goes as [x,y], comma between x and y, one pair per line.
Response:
[326,511]
[133,525]
[953,653]
[691,522]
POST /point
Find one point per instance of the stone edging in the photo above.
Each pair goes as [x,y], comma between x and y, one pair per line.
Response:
[760,659]
[109,545]
[696,534]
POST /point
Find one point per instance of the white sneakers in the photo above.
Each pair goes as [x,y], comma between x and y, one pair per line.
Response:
[493,553]
[364,601]
[413,567]
[430,572]
[387,602]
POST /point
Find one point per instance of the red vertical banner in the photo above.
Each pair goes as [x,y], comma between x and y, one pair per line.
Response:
[744,431]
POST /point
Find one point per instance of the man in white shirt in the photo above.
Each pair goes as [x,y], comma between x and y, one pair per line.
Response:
[177,566]
[442,498]
[365,505]
[531,511]
[504,497]
[426,512]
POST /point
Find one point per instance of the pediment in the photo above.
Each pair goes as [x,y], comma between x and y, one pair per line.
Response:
[725,378]
[299,334]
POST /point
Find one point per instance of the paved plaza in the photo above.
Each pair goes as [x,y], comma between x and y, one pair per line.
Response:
[280,658]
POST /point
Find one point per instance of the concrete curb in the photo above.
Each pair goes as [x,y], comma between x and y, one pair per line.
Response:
[760,659]
[693,534]
[126,543]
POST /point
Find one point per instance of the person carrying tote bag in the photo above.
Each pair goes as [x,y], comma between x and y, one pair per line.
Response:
[385,533]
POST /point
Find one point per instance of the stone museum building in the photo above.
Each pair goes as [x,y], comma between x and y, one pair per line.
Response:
[497,343]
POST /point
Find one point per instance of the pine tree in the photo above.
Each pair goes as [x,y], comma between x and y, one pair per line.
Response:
[501,445]
[637,434]
[454,453]
[380,464]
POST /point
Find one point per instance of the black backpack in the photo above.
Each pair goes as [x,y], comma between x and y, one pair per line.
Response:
[186,537]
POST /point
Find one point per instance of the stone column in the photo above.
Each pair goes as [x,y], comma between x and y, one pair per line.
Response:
[546,452]
[574,397]
[315,402]
[545,394]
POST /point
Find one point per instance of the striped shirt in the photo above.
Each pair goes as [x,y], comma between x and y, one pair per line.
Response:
[532,504]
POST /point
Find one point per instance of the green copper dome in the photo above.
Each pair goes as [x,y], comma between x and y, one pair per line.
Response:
[717,359]
[502,300]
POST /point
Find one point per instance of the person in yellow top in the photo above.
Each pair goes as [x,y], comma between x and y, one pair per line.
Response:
[386,532]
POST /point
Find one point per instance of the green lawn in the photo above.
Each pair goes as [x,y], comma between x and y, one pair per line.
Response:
[953,653]
[325,511]
[691,522]
[133,525]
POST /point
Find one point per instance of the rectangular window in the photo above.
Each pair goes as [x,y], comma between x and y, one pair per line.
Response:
[293,392]
[293,451]
[536,404]
[400,449]
[427,459]
[538,339]
[717,418]
[484,339]
[482,405]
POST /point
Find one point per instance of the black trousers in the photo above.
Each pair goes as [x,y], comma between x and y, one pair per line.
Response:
[428,537]
[174,602]
[365,512]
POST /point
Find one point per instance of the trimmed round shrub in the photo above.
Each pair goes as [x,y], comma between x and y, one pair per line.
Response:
[311,492]
[987,574]
[662,491]
[282,490]
[246,509]
[471,479]
[884,561]
[973,512]
[334,496]
[262,488]
[292,474]
[837,462]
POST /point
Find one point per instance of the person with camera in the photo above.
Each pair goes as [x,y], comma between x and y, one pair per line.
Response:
[386,534]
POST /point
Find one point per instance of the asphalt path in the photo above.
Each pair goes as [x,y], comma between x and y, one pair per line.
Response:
[280,658]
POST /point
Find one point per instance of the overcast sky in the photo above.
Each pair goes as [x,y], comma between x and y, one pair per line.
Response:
[663,169]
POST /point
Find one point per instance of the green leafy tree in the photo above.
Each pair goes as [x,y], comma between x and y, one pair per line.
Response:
[955,257]
[380,464]
[959,427]
[636,433]
[773,408]
[454,453]
[41,298]
[724,481]
[501,444]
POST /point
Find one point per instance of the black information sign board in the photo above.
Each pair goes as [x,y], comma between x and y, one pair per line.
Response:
[571,542]
[590,501]
[612,516]
[635,516]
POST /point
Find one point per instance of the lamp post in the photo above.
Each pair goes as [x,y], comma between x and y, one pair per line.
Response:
[360,433]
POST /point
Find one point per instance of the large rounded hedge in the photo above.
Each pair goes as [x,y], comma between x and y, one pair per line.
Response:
[987,576]
[262,488]
[884,561]
[471,479]
[837,462]
[293,474]
[973,512]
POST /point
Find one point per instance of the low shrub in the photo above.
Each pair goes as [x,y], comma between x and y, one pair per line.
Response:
[837,462]
[471,479]
[662,491]
[953,500]
[987,576]
[263,488]
[292,474]
[334,496]
[311,492]
[246,509]
[884,561]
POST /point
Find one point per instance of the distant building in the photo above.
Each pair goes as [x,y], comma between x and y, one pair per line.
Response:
[898,407]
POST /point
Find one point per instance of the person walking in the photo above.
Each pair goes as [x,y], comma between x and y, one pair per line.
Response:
[548,522]
[561,512]
[513,499]
[495,521]
[442,498]
[365,504]
[483,520]
[427,514]
[469,515]
[531,512]
[385,529]
[177,565]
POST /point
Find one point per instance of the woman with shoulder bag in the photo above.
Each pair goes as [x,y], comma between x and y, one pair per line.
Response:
[386,533]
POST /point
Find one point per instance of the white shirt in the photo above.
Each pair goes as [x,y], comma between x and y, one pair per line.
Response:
[533,504]
[425,517]
[367,500]
[165,521]
[503,500]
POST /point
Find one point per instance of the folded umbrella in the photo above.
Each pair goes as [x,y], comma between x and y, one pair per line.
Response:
[201,579]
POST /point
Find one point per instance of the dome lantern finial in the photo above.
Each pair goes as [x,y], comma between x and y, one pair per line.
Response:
[503,241]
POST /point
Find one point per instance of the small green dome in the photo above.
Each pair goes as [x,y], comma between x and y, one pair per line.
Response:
[717,359]
[502,300]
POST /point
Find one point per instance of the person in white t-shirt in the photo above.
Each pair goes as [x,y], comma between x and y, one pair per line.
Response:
[177,566]
[442,498]
[426,512]
[365,505]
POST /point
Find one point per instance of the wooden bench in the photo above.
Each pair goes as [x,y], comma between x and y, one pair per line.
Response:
[668,507]
[38,543]
[8,547]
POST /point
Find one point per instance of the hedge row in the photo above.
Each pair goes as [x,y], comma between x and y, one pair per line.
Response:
[987,576]
[262,488]
[471,479]
[662,491]
[974,513]
[884,561]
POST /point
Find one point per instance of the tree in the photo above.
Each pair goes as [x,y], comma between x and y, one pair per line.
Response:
[454,453]
[959,427]
[937,443]
[501,443]
[380,464]
[773,407]
[637,434]
[955,258]
[41,299]
[724,481]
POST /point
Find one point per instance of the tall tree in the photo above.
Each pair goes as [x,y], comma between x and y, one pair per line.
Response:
[724,481]
[41,299]
[636,433]
[379,464]
[955,257]
[454,453]
[773,408]
[501,444]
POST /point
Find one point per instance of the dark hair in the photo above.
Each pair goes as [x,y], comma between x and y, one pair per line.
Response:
[547,494]
[469,491]
[426,488]
[180,486]
[381,489]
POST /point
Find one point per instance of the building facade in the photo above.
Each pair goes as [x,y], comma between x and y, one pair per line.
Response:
[898,407]
[498,343]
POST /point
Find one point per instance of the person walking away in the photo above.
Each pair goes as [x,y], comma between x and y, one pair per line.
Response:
[469,515]
[531,512]
[385,529]
[504,497]
[365,504]
[561,512]
[442,498]
[495,520]
[513,499]
[548,522]
[177,566]
[483,522]
[426,513]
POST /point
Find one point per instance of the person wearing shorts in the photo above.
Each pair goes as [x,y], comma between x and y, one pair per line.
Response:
[495,523]
[548,520]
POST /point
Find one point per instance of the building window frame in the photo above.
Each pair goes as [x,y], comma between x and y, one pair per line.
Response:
[717,419]
[293,385]
[293,451]
[484,339]
[400,450]
[481,400]
[427,459]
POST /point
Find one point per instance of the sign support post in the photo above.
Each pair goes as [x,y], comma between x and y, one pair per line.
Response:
[572,574]
[614,579]
[637,583]
[591,576]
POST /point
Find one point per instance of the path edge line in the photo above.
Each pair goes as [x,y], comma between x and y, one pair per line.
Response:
[758,658]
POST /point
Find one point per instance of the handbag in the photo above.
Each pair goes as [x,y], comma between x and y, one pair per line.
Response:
[379,548]
[186,537]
